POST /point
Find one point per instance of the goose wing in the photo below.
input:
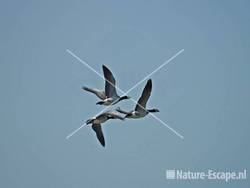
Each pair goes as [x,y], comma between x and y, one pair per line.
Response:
[122,111]
[110,89]
[114,115]
[144,97]
[97,92]
[98,130]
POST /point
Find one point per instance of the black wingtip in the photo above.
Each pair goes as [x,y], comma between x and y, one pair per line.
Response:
[104,67]
[102,142]
[150,81]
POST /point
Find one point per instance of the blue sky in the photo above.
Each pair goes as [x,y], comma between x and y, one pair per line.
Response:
[203,93]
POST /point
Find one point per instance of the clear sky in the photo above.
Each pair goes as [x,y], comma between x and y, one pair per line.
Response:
[203,93]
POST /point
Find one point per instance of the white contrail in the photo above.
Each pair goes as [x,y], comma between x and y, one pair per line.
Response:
[161,66]
[75,131]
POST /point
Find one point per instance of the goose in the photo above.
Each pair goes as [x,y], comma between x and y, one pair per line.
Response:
[140,110]
[98,120]
[109,96]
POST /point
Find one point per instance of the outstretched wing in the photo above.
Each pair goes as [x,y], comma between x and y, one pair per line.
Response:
[144,97]
[98,93]
[98,130]
[110,89]
[122,111]
[113,115]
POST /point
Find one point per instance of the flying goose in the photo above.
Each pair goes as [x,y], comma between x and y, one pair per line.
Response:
[98,120]
[109,96]
[140,109]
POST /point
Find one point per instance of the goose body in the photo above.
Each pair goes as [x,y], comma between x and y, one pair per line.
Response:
[140,110]
[98,120]
[109,96]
